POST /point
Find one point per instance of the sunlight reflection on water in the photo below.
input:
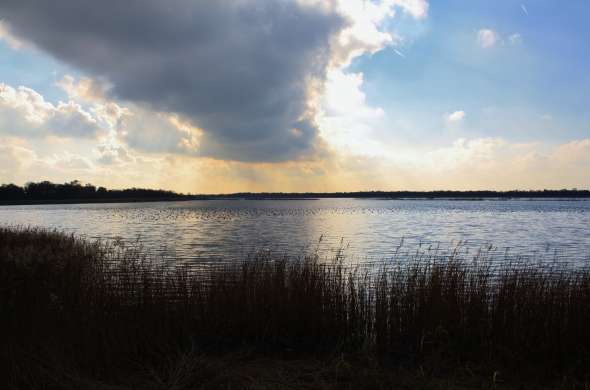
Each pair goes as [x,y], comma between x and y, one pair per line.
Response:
[366,229]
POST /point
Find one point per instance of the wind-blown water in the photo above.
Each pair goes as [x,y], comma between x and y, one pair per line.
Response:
[367,229]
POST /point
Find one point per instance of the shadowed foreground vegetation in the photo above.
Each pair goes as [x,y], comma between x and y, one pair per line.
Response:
[78,315]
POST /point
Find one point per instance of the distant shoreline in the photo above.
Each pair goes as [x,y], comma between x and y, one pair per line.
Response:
[75,193]
[86,201]
[230,197]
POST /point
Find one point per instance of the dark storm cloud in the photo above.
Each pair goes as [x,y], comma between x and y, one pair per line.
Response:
[239,69]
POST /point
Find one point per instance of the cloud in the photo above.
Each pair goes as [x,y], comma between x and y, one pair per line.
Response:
[25,113]
[487,38]
[241,70]
[524,9]
[22,161]
[477,163]
[455,117]
[155,132]
[496,163]
[7,36]
[576,153]
[112,153]
[515,39]
[71,163]
[133,125]
[247,73]
[84,89]
[15,160]
[363,33]
[416,8]
[346,120]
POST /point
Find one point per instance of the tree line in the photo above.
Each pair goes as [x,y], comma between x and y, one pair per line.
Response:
[75,190]
[484,194]
[46,191]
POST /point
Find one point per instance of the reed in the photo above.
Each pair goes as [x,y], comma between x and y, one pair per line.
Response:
[73,308]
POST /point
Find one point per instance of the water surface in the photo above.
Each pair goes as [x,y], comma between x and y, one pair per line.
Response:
[367,229]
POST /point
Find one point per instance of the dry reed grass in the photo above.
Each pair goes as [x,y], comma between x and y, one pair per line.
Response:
[75,309]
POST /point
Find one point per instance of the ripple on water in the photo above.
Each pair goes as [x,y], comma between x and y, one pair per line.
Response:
[366,230]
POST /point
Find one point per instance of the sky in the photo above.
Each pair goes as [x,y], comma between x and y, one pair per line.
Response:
[228,96]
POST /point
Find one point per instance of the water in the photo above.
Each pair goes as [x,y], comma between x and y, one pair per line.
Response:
[366,229]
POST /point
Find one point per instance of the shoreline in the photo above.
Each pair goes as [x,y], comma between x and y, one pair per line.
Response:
[89,201]
[262,198]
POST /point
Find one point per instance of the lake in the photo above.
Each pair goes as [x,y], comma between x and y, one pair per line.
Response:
[365,229]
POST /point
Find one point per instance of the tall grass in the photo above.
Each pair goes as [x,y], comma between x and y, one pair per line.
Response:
[103,310]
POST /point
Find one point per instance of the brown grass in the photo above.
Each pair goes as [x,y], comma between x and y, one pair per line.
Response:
[78,314]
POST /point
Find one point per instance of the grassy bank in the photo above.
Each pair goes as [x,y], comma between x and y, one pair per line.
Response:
[89,315]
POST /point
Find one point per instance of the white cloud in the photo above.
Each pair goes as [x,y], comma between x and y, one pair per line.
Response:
[22,161]
[416,8]
[25,113]
[156,132]
[70,163]
[15,160]
[515,39]
[478,163]
[113,153]
[364,33]
[575,153]
[133,126]
[487,38]
[464,153]
[344,96]
[85,89]
[498,163]
[455,117]
[346,119]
